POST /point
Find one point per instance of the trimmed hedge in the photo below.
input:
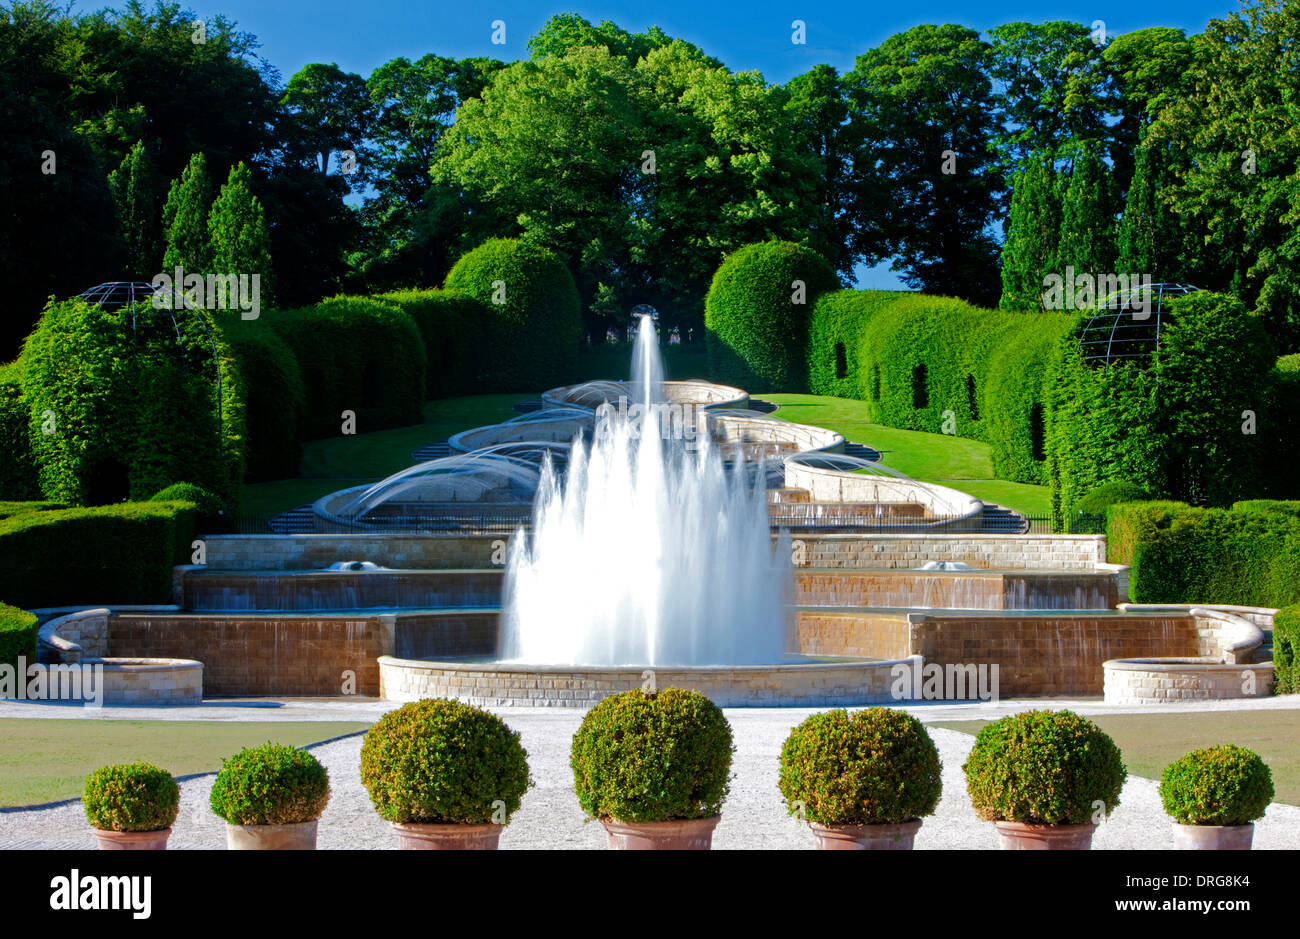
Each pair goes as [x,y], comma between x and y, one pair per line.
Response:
[133,411]
[1104,496]
[274,396]
[212,517]
[837,320]
[528,342]
[355,354]
[108,554]
[1286,650]
[18,479]
[1183,554]
[756,334]
[1281,430]
[450,323]
[18,630]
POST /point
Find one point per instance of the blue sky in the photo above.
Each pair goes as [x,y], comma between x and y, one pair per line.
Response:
[358,35]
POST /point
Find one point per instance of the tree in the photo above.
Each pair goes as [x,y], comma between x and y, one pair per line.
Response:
[185,218]
[1151,237]
[1087,217]
[1033,235]
[239,242]
[137,193]
[331,110]
[926,96]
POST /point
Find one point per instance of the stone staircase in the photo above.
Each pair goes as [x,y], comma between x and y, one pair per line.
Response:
[1000,520]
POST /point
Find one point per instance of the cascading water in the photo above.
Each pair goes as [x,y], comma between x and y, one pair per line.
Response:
[650,551]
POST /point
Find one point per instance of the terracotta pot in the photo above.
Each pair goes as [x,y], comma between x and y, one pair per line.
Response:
[688,834]
[1213,837]
[897,837]
[132,840]
[421,836]
[297,837]
[1021,836]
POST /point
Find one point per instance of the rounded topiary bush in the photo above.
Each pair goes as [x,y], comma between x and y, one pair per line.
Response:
[533,324]
[131,797]
[1224,785]
[212,509]
[270,785]
[756,327]
[1045,768]
[643,756]
[873,767]
[1114,492]
[438,761]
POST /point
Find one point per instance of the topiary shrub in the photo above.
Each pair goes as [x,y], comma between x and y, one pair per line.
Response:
[1045,768]
[1224,785]
[438,761]
[1286,645]
[1112,493]
[18,634]
[834,330]
[355,354]
[756,322]
[873,767]
[117,412]
[529,323]
[270,785]
[212,516]
[274,399]
[643,756]
[18,480]
[131,797]
[451,324]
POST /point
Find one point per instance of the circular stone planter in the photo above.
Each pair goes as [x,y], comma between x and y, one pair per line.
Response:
[149,681]
[1021,836]
[132,840]
[690,834]
[1213,837]
[897,837]
[297,837]
[421,836]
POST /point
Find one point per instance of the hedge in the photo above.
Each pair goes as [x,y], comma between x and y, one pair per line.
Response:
[18,630]
[1281,429]
[1183,554]
[756,329]
[133,411]
[275,399]
[355,354]
[1286,646]
[836,322]
[529,323]
[108,554]
[18,478]
[450,323]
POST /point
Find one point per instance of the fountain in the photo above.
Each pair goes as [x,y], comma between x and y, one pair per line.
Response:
[650,551]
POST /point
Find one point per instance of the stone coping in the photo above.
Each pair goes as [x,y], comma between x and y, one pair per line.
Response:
[1199,663]
[145,665]
[632,670]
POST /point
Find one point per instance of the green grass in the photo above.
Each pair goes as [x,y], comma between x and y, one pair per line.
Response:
[48,760]
[1150,742]
[957,462]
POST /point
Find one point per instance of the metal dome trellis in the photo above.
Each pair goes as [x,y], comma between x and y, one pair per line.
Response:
[1119,330]
[135,295]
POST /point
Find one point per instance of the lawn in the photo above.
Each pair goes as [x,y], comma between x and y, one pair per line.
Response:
[951,461]
[1150,742]
[47,760]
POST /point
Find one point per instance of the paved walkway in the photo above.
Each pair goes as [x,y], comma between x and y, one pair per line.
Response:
[753,817]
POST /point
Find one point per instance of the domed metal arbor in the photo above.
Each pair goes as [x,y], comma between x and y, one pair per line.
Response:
[1128,323]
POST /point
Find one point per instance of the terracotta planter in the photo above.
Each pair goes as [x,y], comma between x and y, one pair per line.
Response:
[1020,836]
[897,837]
[132,840]
[690,834]
[1213,837]
[297,837]
[420,836]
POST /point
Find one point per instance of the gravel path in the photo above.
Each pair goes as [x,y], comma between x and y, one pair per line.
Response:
[753,816]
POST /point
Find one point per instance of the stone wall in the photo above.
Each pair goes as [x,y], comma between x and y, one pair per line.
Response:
[1199,678]
[164,682]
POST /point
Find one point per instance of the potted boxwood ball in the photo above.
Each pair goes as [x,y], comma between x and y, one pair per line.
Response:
[1043,778]
[271,798]
[131,806]
[446,775]
[1214,796]
[863,780]
[654,768]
